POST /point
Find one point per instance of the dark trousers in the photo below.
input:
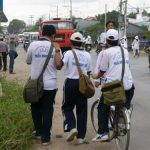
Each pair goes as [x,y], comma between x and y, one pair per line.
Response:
[73,98]
[103,111]
[42,114]
[12,59]
[4,60]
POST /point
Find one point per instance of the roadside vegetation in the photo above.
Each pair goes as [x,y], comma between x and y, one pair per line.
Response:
[15,118]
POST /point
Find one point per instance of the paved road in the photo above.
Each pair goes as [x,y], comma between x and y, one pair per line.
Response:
[140,119]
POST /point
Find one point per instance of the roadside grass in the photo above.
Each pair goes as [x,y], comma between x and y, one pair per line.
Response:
[15,118]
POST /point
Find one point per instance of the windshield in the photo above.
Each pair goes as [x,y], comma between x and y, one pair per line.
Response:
[60,25]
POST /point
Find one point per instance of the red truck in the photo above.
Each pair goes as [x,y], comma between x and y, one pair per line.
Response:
[64,29]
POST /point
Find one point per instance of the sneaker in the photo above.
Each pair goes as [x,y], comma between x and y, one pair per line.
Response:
[100,137]
[72,134]
[82,141]
[45,143]
[37,137]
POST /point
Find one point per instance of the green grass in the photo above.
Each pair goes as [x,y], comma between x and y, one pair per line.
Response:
[15,118]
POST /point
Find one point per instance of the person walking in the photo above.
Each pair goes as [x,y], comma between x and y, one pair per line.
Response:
[110,68]
[12,49]
[136,46]
[42,111]
[3,52]
[76,126]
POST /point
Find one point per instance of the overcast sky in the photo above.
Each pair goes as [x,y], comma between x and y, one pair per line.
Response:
[25,9]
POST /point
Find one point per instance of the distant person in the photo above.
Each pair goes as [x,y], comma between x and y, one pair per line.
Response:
[102,38]
[42,111]
[88,43]
[102,45]
[75,122]
[12,49]
[136,46]
[123,42]
[3,53]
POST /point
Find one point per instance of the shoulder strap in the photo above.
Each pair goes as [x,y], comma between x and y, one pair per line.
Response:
[77,62]
[123,63]
[47,60]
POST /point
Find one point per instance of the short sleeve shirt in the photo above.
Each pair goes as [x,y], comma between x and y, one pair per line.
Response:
[71,66]
[36,56]
[111,64]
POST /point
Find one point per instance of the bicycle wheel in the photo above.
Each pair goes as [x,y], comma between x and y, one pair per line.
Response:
[111,124]
[94,115]
[123,130]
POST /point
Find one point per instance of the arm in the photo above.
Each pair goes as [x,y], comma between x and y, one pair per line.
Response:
[58,61]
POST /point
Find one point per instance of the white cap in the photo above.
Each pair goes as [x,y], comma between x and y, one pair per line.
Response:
[78,37]
[112,34]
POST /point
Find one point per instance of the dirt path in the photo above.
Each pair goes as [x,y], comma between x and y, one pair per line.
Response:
[22,73]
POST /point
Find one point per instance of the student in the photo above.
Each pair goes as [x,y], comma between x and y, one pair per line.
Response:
[76,126]
[42,111]
[110,68]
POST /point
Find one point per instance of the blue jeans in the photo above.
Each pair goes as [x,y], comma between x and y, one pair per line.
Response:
[11,64]
[103,111]
[42,114]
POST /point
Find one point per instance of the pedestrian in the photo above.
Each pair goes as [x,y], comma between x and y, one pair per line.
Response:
[12,51]
[102,38]
[136,46]
[42,111]
[102,46]
[3,53]
[110,68]
[76,126]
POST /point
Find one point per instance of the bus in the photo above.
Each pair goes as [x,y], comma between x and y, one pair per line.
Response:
[64,30]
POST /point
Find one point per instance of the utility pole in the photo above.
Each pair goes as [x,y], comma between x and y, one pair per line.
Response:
[105,17]
[31,17]
[123,18]
[71,9]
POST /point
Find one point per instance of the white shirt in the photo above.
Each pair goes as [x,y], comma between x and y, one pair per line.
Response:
[135,44]
[36,56]
[102,38]
[70,63]
[111,63]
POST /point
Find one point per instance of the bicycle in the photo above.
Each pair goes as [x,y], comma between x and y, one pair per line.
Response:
[119,124]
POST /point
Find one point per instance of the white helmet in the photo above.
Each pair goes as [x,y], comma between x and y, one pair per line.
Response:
[136,37]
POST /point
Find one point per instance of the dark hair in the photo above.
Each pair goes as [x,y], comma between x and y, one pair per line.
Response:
[48,30]
[113,42]
[75,43]
[110,21]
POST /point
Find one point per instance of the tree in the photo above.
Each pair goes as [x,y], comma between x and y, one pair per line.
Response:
[113,15]
[132,15]
[16,26]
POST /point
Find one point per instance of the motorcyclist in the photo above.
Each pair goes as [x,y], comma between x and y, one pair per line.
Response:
[88,43]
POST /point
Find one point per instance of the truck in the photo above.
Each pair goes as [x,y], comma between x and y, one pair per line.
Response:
[64,29]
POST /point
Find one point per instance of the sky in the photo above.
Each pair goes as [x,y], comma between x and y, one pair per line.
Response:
[31,10]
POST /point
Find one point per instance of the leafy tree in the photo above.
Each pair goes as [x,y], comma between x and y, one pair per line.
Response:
[132,15]
[16,26]
[113,15]
[147,34]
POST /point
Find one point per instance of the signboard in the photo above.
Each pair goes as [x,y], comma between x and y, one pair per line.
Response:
[1,4]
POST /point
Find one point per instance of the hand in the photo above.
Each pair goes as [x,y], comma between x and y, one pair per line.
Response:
[97,84]
[56,45]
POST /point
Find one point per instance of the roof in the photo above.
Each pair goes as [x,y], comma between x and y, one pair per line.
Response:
[3,17]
